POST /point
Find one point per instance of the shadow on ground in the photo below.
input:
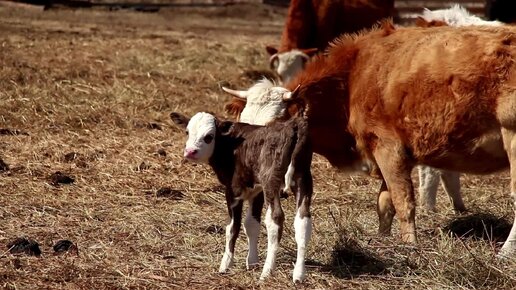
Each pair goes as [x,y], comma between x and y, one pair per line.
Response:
[481,226]
[350,259]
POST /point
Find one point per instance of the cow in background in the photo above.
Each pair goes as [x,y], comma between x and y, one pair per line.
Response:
[312,24]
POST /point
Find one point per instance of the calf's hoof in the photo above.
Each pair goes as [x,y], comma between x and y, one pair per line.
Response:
[225,264]
[265,274]
[299,275]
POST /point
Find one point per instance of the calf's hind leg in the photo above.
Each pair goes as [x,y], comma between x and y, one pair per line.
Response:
[274,219]
[302,223]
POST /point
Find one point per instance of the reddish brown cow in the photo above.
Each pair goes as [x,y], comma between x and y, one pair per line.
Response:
[390,99]
[312,24]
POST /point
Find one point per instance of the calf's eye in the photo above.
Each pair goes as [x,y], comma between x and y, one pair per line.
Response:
[208,139]
[186,132]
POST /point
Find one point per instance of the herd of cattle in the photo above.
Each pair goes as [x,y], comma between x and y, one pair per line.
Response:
[369,97]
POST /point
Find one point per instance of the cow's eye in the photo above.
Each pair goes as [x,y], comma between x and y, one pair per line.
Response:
[208,138]
[186,132]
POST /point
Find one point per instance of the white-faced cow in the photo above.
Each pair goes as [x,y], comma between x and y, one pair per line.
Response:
[312,24]
[390,99]
[248,159]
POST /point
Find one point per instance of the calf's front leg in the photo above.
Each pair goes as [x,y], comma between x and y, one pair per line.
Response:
[252,229]
[232,231]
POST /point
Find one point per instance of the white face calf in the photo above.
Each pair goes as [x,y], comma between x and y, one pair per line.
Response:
[265,102]
[201,138]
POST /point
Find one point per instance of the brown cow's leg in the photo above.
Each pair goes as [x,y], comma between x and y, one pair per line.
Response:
[509,140]
[428,184]
[451,184]
[385,210]
[396,168]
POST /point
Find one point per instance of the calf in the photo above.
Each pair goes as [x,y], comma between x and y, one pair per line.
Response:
[247,160]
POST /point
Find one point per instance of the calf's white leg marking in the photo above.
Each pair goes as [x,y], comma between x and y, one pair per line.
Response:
[227,259]
[303,232]
[272,244]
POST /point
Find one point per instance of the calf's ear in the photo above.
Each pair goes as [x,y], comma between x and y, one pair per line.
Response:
[179,119]
[225,127]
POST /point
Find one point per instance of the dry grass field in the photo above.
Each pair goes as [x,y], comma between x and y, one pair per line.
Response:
[88,93]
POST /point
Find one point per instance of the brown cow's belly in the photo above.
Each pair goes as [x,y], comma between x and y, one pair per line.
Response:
[476,163]
[484,154]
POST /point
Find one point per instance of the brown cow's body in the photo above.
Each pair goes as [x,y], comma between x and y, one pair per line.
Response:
[390,99]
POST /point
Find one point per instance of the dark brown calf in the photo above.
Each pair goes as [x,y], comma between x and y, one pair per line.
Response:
[247,160]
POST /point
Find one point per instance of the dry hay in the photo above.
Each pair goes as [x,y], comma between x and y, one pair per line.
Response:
[88,94]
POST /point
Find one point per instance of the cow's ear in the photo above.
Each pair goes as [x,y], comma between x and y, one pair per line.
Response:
[179,119]
[225,127]
[271,50]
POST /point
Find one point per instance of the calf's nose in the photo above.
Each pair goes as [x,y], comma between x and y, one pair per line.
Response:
[190,152]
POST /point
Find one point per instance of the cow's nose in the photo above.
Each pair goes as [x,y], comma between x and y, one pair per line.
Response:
[189,153]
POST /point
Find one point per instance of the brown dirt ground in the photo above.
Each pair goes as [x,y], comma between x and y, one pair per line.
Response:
[90,93]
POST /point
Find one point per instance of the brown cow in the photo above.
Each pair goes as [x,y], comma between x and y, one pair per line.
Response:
[390,99]
[312,24]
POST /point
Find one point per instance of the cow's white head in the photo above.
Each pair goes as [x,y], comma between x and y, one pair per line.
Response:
[456,16]
[201,130]
[287,64]
[263,102]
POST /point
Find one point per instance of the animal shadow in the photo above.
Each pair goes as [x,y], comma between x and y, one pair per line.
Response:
[480,226]
[350,259]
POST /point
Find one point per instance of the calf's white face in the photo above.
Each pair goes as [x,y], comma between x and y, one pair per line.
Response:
[201,130]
